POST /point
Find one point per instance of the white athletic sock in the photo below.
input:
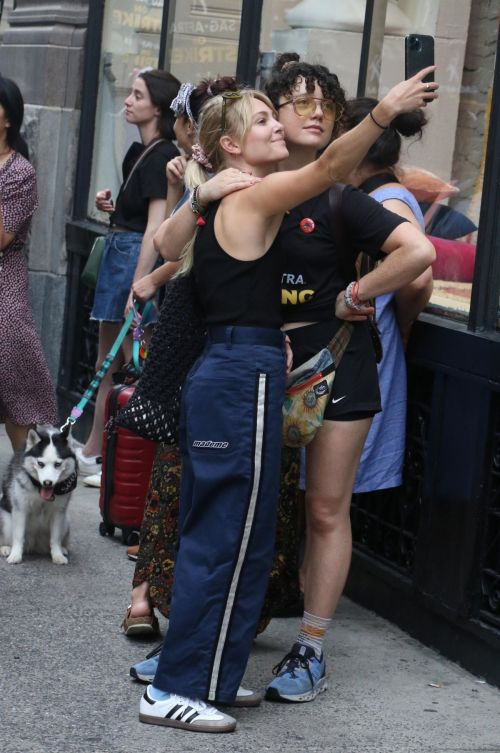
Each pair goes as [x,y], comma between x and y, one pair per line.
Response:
[312,632]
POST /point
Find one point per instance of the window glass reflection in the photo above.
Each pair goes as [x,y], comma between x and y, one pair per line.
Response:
[130,42]
[445,168]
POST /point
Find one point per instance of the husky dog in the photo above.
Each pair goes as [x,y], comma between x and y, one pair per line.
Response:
[36,491]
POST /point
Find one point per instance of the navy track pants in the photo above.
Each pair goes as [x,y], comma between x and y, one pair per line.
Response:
[231,447]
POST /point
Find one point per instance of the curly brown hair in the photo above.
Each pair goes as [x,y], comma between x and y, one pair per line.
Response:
[288,68]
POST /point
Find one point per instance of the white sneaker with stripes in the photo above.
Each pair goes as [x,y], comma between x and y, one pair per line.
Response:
[184,713]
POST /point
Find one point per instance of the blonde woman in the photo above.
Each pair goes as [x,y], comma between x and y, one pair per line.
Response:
[231,419]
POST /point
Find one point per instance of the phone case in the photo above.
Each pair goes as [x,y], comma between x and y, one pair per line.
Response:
[419,53]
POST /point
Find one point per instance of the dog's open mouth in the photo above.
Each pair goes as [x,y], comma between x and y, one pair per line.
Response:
[47,493]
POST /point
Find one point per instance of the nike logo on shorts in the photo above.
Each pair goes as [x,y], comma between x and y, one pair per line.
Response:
[338,399]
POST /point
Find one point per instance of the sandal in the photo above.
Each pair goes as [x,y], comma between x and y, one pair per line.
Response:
[144,625]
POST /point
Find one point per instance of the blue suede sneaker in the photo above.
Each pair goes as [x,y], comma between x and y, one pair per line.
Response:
[300,676]
[145,671]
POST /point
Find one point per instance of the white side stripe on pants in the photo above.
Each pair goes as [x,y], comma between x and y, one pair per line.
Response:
[259,435]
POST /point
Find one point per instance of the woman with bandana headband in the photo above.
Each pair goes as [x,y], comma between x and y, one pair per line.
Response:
[156,556]
[187,107]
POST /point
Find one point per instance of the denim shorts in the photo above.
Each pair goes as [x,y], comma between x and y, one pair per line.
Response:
[116,274]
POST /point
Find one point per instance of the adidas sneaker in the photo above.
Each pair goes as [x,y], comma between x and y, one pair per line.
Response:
[184,713]
[144,671]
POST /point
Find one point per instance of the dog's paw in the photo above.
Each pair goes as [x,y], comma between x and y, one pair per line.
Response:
[58,558]
[15,558]
[4,551]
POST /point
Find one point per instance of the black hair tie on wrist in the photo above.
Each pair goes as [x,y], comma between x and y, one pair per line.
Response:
[384,128]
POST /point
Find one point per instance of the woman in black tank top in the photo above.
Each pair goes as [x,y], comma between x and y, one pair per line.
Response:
[231,417]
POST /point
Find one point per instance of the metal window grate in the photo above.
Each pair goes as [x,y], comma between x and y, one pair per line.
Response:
[386,523]
[490,555]
[86,345]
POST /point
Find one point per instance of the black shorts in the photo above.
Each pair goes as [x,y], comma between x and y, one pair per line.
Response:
[355,392]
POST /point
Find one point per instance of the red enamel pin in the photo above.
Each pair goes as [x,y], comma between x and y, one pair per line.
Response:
[307,225]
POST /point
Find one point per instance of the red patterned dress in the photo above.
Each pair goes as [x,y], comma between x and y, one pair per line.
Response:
[26,391]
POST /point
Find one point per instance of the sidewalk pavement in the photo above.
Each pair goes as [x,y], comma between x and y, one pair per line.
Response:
[65,687]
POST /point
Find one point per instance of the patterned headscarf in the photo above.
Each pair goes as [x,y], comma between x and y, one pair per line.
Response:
[180,105]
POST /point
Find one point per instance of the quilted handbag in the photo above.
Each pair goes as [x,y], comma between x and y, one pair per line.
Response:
[178,339]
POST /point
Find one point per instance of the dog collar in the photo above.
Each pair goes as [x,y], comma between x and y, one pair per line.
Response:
[63,487]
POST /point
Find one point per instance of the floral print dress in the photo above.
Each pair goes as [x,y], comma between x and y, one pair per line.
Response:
[26,391]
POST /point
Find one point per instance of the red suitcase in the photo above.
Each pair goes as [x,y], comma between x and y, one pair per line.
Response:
[127,460]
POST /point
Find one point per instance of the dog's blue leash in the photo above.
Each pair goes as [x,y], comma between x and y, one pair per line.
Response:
[133,315]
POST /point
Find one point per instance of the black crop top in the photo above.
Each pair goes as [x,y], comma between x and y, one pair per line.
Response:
[315,270]
[244,293]
[148,181]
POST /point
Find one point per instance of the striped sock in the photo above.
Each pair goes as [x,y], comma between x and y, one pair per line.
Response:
[312,632]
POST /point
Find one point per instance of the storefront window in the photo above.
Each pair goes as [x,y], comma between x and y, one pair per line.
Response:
[445,169]
[130,42]
[202,41]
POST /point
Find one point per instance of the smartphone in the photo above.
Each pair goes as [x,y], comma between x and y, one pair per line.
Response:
[419,53]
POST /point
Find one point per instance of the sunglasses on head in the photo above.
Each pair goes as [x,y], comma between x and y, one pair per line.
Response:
[305,105]
[228,96]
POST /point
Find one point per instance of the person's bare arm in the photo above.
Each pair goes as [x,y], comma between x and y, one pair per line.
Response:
[175,232]
[148,255]
[409,254]
[176,168]
[411,299]
[146,287]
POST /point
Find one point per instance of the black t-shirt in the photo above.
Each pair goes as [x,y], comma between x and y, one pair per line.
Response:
[231,291]
[148,181]
[315,269]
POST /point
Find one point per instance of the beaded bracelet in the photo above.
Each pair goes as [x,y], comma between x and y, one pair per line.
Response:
[194,202]
[351,299]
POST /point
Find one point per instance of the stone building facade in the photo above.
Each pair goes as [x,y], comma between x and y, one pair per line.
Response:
[42,49]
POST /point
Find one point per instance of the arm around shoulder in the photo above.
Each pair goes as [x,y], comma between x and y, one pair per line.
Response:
[409,254]
[173,234]
[411,300]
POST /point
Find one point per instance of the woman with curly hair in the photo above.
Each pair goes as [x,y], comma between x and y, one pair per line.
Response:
[319,276]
